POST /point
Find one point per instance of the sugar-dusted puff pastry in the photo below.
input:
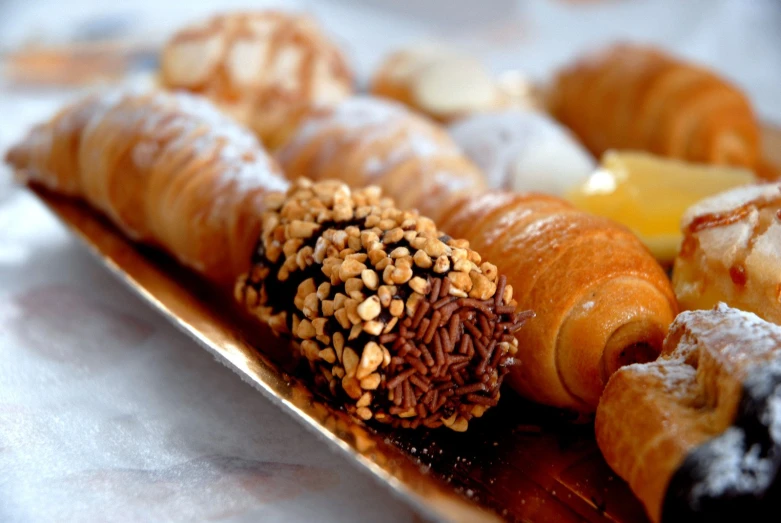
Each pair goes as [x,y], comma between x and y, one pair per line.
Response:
[442,83]
[697,433]
[523,150]
[373,297]
[366,140]
[634,97]
[600,299]
[157,164]
[731,252]
[268,68]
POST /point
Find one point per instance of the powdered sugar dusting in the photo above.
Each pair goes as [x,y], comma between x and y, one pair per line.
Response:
[733,467]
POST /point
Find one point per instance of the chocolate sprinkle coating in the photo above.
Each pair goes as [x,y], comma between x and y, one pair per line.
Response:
[735,475]
[399,322]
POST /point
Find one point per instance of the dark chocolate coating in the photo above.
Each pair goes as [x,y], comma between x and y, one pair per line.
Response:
[735,476]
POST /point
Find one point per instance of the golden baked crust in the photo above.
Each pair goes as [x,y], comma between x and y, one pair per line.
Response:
[600,299]
[168,169]
[268,69]
[731,252]
[653,416]
[371,141]
[633,97]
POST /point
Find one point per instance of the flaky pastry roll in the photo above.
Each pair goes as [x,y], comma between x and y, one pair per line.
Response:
[268,69]
[696,433]
[168,169]
[600,299]
[634,97]
[366,140]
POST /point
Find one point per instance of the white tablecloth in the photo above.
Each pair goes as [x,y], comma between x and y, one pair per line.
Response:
[107,413]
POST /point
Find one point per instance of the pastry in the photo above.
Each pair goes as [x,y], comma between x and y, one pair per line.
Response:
[156,164]
[405,324]
[523,151]
[398,322]
[649,194]
[634,97]
[697,432]
[439,82]
[731,252]
[267,69]
[366,140]
[600,298]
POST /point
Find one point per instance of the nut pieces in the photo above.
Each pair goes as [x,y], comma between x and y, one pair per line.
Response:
[400,322]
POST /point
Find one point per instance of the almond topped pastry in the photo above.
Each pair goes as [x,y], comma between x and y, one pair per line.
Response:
[731,252]
[440,82]
[267,68]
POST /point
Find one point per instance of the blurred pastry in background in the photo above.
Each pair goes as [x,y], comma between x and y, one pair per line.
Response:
[695,433]
[446,84]
[731,252]
[650,194]
[367,140]
[268,69]
[635,97]
[523,150]
[78,64]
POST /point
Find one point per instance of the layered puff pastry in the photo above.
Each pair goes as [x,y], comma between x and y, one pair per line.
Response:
[635,97]
[731,252]
[267,69]
[600,299]
[374,298]
[367,140]
[167,169]
[697,433]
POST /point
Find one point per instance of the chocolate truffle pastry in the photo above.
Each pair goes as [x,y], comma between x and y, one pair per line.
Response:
[268,69]
[697,433]
[731,252]
[400,322]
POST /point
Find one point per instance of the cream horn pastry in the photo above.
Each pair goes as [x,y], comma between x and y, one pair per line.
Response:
[167,169]
[268,69]
[637,97]
[697,433]
[600,299]
[399,322]
[366,140]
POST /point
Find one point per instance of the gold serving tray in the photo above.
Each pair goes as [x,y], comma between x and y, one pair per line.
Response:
[519,462]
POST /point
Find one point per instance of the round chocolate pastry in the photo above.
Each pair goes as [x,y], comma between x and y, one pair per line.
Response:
[398,321]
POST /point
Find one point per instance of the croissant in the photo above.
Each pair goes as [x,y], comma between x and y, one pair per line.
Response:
[168,170]
[600,299]
[633,97]
[267,69]
[397,322]
[730,252]
[367,140]
[695,433]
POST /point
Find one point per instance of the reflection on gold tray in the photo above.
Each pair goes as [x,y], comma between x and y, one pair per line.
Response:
[519,462]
